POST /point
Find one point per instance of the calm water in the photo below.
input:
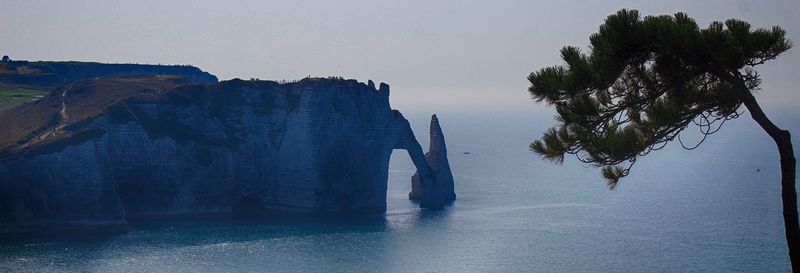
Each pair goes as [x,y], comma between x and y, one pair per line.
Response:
[706,210]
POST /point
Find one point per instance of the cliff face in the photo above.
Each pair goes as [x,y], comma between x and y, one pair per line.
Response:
[166,149]
[437,159]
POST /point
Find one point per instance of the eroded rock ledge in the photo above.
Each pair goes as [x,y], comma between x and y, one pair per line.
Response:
[153,146]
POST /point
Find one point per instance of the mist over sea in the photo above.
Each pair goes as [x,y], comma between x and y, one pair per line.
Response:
[716,208]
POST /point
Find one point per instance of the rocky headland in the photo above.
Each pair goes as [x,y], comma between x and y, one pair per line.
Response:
[96,151]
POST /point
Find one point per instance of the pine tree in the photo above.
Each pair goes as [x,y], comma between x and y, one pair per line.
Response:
[645,80]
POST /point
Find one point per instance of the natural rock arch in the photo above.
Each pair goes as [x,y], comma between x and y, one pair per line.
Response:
[316,145]
[432,184]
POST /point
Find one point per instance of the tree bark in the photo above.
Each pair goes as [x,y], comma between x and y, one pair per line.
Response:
[788,172]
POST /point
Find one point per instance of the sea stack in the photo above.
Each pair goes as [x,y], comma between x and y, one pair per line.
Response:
[437,159]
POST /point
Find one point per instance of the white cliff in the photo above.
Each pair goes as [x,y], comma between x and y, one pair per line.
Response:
[437,160]
[313,145]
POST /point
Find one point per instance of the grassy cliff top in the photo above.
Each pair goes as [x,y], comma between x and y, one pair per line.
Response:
[26,81]
[59,115]
[49,118]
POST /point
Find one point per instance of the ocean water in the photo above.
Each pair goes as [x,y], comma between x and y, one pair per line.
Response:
[714,209]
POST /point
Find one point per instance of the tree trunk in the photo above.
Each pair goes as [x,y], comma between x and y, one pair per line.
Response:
[788,172]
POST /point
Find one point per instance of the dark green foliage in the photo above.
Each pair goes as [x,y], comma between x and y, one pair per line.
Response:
[644,81]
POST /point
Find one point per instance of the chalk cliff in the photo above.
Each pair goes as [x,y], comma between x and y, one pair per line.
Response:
[437,159]
[96,152]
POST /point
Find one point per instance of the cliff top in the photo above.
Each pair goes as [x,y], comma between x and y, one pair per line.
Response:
[26,81]
[53,73]
[60,114]
[49,117]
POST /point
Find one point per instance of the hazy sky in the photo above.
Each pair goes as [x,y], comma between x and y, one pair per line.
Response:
[432,53]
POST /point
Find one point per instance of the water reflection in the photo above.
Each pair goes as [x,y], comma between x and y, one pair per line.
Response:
[264,224]
[253,227]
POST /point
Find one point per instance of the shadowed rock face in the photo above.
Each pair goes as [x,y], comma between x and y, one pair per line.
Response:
[313,145]
[437,160]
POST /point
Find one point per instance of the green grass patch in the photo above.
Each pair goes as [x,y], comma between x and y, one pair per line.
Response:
[13,97]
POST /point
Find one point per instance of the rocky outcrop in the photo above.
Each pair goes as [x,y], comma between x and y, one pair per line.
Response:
[312,145]
[440,167]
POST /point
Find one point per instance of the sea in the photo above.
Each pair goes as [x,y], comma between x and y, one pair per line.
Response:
[716,208]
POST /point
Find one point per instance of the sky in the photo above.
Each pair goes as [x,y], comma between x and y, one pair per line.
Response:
[458,54]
